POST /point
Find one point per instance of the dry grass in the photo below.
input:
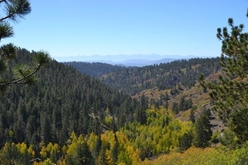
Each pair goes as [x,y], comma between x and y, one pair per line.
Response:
[199,99]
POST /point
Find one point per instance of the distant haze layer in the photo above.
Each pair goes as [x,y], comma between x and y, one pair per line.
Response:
[120,58]
[126,60]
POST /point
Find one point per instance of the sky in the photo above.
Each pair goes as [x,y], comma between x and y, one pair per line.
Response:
[69,28]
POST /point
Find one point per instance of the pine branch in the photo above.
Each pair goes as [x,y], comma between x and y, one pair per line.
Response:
[6,17]
[14,9]
[22,80]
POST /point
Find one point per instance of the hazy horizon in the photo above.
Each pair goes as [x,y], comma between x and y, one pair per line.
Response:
[123,57]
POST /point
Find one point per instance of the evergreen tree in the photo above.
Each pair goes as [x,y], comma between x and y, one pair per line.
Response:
[175,108]
[141,112]
[84,154]
[185,141]
[97,147]
[229,93]
[192,114]
[102,158]
[113,125]
[203,130]
[166,104]
[22,74]
[45,129]
[182,104]
[167,98]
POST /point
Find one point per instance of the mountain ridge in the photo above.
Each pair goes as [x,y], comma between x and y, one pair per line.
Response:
[126,60]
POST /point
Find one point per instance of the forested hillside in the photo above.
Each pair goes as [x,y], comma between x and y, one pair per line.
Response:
[61,101]
[166,84]
[98,114]
[67,117]
[186,73]
[94,69]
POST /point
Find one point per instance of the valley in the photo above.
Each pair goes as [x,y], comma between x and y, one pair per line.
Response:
[111,114]
[153,102]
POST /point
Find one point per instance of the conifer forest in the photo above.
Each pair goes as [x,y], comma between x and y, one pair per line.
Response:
[190,111]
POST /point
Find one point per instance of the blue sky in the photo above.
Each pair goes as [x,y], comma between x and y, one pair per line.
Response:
[67,28]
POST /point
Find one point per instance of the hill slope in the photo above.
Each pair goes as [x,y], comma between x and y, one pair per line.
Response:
[94,69]
[63,100]
[133,80]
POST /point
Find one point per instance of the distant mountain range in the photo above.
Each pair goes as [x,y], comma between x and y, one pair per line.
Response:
[126,60]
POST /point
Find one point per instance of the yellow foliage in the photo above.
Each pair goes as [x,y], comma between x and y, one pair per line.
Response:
[48,162]
[108,120]
[121,164]
[62,162]
[36,163]
[73,137]
[122,139]
[64,149]
[31,151]
[49,147]
[22,147]
[91,141]
[135,157]
[109,158]
[43,152]
[193,156]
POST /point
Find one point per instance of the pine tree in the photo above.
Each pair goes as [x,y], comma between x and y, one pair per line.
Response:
[102,158]
[167,98]
[97,147]
[84,154]
[175,108]
[141,112]
[192,114]
[21,74]
[113,125]
[185,141]
[229,93]
[203,132]
[45,129]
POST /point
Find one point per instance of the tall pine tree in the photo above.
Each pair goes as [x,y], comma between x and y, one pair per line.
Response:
[203,132]
[230,93]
